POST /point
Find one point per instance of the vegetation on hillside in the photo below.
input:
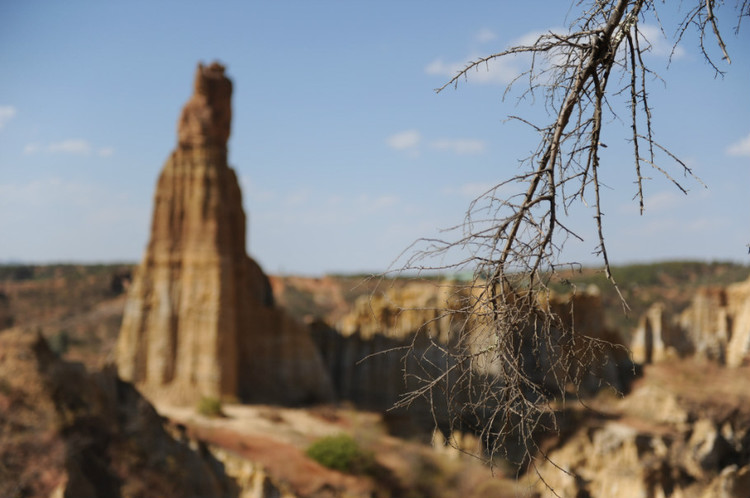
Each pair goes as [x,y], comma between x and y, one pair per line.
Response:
[63,300]
[77,307]
[69,271]
[341,452]
[210,407]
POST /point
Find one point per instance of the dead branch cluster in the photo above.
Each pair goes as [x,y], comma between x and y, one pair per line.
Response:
[493,376]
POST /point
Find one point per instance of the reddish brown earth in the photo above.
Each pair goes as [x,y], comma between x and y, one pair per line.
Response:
[276,439]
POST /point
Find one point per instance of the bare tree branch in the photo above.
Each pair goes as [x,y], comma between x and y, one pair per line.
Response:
[517,352]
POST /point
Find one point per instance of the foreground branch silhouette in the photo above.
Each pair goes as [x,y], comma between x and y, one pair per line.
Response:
[516,353]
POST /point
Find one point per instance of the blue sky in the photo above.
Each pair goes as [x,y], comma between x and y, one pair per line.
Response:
[344,151]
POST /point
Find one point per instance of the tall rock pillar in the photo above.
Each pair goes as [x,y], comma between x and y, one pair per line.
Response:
[199,308]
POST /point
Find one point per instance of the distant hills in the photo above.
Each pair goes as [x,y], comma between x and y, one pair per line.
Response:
[30,294]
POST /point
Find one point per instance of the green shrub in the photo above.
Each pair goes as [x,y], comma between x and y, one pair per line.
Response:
[342,453]
[59,343]
[210,407]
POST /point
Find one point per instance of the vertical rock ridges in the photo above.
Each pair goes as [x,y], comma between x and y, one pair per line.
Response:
[200,318]
[716,326]
[658,338]
[429,320]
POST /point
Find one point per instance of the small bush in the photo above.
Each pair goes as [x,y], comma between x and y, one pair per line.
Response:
[59,343]
[210,407]
[341,453]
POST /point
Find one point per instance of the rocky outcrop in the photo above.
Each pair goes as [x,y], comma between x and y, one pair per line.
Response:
[738,315]
[716,326]
[657,338]
[369,371]
[67,433]
[705,323]
[372,352]
[206,119]
[392,339]
[656,442]
[200,319]
[398,312]
[252,479]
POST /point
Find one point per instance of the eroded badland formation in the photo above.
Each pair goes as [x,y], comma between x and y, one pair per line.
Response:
[200,320]
[715,326]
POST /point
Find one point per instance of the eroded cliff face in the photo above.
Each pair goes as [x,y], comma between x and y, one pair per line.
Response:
[716,326]
[398,312]
[200,318]
[375,353]
[67,433]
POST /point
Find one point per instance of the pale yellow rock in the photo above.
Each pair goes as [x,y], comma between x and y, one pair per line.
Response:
[252,479]
[738,309]
[656,338]
[399,312]
[716,326]
[731,483]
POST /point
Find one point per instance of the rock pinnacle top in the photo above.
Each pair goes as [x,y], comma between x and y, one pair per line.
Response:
[206,118]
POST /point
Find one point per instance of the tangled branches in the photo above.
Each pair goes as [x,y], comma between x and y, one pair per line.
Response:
[516,352]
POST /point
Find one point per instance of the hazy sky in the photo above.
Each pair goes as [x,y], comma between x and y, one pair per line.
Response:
[344,151]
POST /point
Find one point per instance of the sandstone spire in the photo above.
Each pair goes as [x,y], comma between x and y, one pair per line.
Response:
[200,318]
[207,116]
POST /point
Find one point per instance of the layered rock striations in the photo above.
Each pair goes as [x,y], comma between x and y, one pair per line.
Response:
[200,319]
[716,326]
